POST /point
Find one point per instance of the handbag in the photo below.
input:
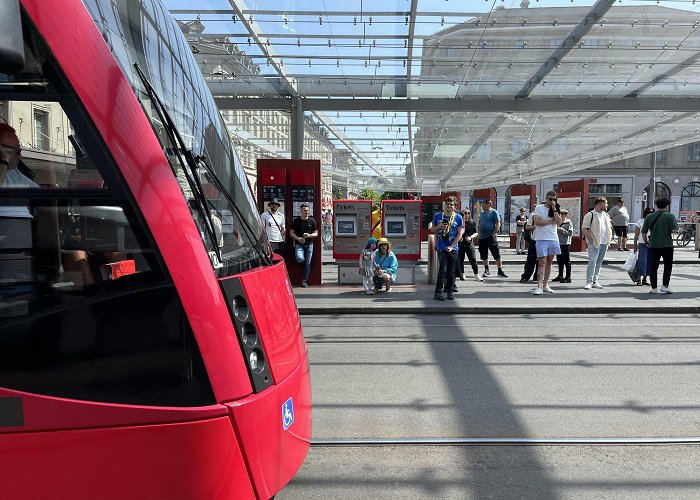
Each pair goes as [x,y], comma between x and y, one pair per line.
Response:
[630,263]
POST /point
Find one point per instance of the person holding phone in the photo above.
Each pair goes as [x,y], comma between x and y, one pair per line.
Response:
[448,226]
[546,218]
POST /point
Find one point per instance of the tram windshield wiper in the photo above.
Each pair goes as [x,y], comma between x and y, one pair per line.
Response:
[202,160]
[187,161]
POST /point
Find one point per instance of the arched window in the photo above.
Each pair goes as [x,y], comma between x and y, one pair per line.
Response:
[690,197]
[661,191]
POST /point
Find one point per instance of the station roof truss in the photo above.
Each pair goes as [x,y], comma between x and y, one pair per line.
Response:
[462,94]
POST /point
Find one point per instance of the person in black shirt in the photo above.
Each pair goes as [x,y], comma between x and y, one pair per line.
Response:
[520,221]
[467,247]
[303,232]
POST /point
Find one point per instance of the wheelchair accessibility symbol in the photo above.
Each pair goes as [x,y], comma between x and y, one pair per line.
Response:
[287,414]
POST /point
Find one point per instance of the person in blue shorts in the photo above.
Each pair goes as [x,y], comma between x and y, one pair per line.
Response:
[546,219]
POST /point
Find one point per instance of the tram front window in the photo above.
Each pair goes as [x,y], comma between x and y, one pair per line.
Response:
[87,310]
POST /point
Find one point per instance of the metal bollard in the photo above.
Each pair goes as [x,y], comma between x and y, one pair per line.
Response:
[432,260]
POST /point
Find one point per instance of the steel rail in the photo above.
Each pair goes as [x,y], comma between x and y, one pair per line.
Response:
[499,441]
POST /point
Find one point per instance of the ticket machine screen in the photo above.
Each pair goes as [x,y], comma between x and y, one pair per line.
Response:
[395,225]
[346,225]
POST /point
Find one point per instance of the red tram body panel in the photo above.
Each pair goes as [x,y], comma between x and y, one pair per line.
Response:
[245,441]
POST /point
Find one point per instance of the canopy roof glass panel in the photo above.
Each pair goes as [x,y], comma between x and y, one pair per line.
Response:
[464,93]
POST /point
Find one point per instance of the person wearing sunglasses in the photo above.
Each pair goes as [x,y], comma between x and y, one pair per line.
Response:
[546,218]
[467,248]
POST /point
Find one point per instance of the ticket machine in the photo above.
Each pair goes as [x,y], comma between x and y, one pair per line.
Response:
[352,227]
[401,225]
[401,221]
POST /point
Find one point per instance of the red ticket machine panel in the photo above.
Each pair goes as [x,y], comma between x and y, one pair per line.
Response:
[401,221]
[352,227]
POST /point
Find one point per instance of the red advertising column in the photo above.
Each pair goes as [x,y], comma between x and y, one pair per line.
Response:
[479,196]
[574,196]
[521,195]
[430,205]
[301,183]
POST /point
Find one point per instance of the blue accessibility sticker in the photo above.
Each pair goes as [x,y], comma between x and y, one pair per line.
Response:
[287,414]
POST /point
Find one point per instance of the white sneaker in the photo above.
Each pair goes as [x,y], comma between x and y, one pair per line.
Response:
[537,291]
[547,290]
[654,290]
[597,285]
[370,292]
[588,286]
[665,289]
[478,278]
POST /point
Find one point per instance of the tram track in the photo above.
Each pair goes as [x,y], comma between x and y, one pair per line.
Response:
[503,441]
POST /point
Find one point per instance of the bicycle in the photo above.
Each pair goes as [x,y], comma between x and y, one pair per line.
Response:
[327,236]
[685,235]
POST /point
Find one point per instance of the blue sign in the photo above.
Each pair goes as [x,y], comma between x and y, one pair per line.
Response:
[287,414]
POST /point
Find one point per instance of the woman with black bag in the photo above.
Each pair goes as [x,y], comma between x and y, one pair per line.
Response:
[467,247]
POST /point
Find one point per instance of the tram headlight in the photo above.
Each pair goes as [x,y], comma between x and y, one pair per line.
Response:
[248,335]
[256,359]
[253,360]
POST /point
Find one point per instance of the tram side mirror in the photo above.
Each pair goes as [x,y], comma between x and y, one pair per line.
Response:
[11,40]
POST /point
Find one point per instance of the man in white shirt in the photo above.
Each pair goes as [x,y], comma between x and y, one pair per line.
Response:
[597,230]
[10,151]
[546,219]
[620,218]
[273,220]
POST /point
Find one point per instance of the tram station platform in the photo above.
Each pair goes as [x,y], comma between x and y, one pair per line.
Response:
[496,295]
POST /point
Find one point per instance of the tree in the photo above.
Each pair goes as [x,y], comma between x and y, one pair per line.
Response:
[393,195]
[371,194]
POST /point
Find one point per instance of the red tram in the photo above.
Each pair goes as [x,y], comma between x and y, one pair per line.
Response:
[150,345]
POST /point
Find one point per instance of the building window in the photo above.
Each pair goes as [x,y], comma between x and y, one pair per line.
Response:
[690,197]
[694,151]
[612,192]
[518,146]
[41,127]
[661,155]
[483,152]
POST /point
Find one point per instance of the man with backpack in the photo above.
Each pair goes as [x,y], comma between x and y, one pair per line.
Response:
[660,225]
[597,230]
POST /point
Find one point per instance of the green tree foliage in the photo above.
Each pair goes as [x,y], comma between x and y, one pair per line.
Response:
[394,195]
[371,194]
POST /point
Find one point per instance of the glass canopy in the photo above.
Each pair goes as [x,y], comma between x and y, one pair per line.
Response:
[460,94]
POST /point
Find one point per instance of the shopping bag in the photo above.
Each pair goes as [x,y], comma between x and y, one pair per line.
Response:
[630,263]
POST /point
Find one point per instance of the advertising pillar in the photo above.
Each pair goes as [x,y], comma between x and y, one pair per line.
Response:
[352,227]
[294,182]
[573,195]
[479,196]
[521,196]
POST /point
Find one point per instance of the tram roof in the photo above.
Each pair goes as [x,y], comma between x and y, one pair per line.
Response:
[439,95]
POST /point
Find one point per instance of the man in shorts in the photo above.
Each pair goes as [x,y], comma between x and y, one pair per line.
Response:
[489,227]
[546,218]
[620,218]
